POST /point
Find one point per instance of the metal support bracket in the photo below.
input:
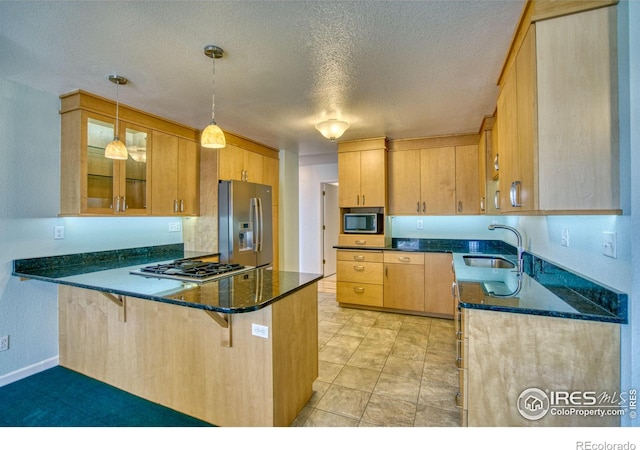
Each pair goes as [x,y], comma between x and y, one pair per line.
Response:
[121,301]
[224,320]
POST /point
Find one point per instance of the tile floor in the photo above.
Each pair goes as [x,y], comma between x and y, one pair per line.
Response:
[381,369]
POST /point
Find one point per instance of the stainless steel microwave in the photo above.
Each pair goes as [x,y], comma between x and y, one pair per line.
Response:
[370,223]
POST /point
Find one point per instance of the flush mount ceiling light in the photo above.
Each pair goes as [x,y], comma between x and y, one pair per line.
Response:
[212,136]
[116,148]
[332,128]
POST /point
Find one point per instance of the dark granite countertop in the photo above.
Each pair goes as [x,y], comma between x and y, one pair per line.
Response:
[109,272]
[547,289]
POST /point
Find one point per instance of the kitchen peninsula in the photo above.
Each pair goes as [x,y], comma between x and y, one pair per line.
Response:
[241,350]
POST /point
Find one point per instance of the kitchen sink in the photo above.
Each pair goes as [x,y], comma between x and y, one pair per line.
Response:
[493,262]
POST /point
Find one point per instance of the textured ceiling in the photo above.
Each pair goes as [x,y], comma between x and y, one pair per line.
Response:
[394,68]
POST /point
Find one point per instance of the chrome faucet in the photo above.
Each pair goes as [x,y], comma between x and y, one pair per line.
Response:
[520,249]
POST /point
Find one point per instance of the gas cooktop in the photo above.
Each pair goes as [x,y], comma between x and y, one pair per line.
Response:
[191,270]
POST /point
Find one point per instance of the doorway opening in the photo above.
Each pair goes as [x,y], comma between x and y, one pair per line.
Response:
[330,227]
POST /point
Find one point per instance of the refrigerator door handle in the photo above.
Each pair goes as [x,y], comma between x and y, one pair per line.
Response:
[261,225]
[255,218]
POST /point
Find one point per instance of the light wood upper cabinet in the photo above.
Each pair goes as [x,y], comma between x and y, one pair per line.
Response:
[438,181]
[429,178]
[176,169]
[362,173]
[94,185]
[91,184]
[236,163]
[557,118]
[467,180]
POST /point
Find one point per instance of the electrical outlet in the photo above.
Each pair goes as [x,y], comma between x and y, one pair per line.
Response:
[609,244]
[174,226]
[260,330]
[58,232]
[4,343]
[564,240]
[419,224]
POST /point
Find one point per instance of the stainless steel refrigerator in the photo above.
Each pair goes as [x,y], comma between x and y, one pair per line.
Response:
[244,223]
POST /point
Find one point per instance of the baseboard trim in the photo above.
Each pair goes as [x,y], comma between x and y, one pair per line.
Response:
[29,370]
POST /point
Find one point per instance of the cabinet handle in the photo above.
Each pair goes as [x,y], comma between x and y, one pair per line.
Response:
[358,268]
[358,290]
[514,194]
[360,242]
[496,199]
[495,163]
[175,206]
[358,258]
[460,206]
[124,204]
[404,259]
[358,199]
[482,200]
[452,268]
[181,206]
[386,271]
[118,204]
[418,207]
[454,291]
[362,199]
[424,207]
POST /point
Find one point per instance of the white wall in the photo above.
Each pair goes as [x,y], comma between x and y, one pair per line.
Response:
[311,178]
[29,201]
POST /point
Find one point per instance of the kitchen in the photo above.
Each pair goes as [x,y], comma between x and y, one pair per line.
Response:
[31,199]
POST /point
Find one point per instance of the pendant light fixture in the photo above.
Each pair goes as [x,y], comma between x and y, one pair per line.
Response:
[116,148]
[332,128]
[212,136]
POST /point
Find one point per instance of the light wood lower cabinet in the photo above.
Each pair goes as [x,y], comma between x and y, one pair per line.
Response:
[404,281]
[175,355]
[500,355]
[438,276]
[359,277]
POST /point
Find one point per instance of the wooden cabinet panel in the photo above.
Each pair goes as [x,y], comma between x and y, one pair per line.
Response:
[438,178]
[438,278]
[404,182]
[360,293]
[271,176]
[373,176]
[188,176]
[361,240]
[176,172]
[165,174]
[253,167]
[349,179]
[467,176]
[230,163]
[362,173]
[359,272]
[404,286]
[357,256]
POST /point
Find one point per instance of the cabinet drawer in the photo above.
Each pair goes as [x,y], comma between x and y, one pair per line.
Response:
[403,258]
[361,240]
[358,256]
[360,272]
[359,293]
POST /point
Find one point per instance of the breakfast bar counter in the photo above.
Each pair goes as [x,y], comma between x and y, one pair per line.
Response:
[241,350]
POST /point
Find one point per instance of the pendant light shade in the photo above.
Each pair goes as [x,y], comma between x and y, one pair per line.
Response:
[116,148]
[212,136]
[332,128]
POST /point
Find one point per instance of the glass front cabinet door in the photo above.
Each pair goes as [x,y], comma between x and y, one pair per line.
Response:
[115,186]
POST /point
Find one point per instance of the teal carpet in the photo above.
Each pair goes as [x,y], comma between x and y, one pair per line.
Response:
[60,397]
